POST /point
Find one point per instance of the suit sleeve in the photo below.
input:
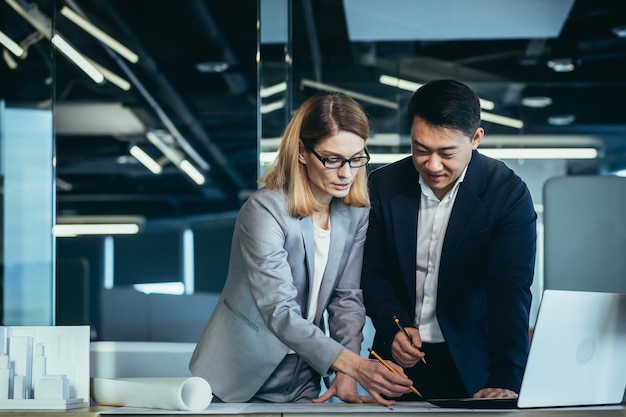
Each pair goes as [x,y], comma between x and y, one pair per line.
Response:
[346,313]
[272,284]
[384,290]
[511,259]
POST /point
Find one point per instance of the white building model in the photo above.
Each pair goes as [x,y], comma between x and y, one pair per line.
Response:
[44,367]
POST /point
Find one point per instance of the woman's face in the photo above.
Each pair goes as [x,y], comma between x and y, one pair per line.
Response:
[328,183]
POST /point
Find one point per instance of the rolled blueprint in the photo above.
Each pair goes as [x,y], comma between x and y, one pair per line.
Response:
[171,393]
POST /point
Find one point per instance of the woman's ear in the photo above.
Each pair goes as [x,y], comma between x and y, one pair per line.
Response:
[301,152]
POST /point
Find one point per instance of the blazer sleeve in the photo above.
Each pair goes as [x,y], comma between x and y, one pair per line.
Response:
[487,269]
[346,313]
[389,255]
[273,261]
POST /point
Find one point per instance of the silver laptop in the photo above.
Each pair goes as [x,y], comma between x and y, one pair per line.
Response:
[577,355]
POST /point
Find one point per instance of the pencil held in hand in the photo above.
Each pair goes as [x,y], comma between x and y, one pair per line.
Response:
[397,321]
[381,360]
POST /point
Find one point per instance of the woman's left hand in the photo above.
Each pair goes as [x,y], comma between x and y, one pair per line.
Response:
[344,388]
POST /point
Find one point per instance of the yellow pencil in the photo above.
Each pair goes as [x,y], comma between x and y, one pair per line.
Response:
[381,360]
[397,321]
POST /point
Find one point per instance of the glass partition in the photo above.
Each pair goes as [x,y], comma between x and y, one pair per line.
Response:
[27,165]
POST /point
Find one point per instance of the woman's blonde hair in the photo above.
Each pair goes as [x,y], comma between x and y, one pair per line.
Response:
[320,116]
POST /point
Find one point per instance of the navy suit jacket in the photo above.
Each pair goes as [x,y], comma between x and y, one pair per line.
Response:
[486,269]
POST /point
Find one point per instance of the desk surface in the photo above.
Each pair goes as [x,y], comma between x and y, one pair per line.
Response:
[316,410]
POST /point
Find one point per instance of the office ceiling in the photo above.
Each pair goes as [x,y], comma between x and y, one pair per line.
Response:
[181,90]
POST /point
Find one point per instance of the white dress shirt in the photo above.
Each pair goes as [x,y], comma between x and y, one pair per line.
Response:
[432,222]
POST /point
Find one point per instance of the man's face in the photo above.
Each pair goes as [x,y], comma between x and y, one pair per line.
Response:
[440,155]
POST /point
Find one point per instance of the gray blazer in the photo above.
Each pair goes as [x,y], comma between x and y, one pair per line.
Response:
[260,314]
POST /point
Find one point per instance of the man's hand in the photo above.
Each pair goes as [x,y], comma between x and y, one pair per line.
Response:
[344,388]
[405,353]
[495,393]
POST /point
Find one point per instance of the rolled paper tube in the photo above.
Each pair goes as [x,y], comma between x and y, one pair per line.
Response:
[170,393]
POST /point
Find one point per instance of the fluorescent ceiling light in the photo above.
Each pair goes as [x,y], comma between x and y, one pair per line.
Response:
[192,172]
[562,119]
[77,58]
[99,34]
[112,77]
[212,67]
[412,86]
[501,120]
[171,288]
[536,102]
[498,153]
[145,160]
[71,230]
[11,45]
[540,153]
[353,94]
[386,158]
[273,89]
[8,59]
[561,65]
[621,173]
[176,157]
[270,107]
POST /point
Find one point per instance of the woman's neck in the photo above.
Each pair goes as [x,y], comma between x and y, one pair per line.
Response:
[321,217]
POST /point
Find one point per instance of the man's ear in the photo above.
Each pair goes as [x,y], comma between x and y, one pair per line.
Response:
[478,137]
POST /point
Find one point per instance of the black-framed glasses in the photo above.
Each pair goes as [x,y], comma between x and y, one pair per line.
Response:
[335,162]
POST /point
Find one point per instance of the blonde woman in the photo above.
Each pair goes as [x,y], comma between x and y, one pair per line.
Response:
[297,252]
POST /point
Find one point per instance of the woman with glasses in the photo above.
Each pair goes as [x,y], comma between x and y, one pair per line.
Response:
[296,253]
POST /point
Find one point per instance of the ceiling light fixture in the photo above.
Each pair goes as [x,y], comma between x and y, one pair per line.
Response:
[561,65]
[501,120]
[11,45]
[561,119]
[273,89]
[42,24]
[112,77]
[620,31]
[77,58]
[100,35]
[355,95]
[73,230]
[72,226]
[8,59]
[497,153]
[169,288]
[412,86]
[536,102]
[174,155]
[540,153]
[145,159]
[212,67]
[273,106]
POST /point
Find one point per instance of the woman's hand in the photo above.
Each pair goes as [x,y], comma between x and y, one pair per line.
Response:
[374,377]
[343,387]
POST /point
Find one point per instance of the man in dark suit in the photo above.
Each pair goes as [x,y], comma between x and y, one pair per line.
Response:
[450,252]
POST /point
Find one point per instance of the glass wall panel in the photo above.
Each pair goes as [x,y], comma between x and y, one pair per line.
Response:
[27,164]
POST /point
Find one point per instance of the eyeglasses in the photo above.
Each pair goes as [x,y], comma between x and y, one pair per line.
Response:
[338,163]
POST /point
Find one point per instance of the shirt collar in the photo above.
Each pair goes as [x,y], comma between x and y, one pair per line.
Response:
[426,190]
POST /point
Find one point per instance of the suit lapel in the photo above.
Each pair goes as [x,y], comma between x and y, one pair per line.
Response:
[340,227]
[404,210]
[306,227]
[466,205]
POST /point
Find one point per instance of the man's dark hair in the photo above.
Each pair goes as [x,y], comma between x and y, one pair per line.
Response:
[446,103]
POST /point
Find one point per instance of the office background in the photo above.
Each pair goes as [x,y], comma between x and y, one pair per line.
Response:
[212,84]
